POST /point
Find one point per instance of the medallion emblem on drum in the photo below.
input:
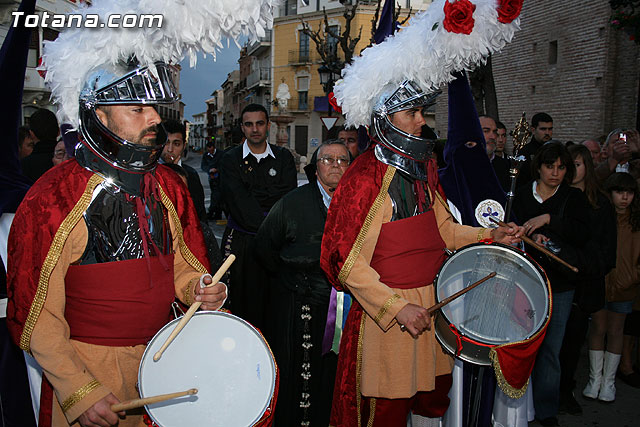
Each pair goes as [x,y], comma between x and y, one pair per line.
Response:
[489,209]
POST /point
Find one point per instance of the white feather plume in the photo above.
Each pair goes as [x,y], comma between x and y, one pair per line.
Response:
[423,52]
[189,27]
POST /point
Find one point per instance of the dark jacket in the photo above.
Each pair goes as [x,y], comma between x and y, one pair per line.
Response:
[289,240]
[597,258]
[39,161]
[501,168]
[568,228]
[211,161]
[195,190]
[528,151]
[250,188]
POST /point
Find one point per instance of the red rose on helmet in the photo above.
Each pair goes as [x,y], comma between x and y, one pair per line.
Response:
[508,10]
[458,16]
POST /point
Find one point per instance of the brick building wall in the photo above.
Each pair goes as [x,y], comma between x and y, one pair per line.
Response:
[591,88]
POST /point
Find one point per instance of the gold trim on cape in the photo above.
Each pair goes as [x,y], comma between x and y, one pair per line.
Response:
[359,368]
[504,385]
[188,256]
[375,207]
[51,260]
[372,411]
[79,395]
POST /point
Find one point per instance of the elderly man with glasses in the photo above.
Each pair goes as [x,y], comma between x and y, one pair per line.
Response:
[288,245]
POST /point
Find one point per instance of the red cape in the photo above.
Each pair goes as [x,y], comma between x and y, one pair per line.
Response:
[51,208]
[359,187]
[357,199]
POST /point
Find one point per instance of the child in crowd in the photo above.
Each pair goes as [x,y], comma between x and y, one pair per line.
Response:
[621,288]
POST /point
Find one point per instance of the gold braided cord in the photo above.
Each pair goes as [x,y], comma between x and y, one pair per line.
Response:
[359,369]
[184,250]
[357,246]
[79,395]
[387,305]
[53,255]
[480,235]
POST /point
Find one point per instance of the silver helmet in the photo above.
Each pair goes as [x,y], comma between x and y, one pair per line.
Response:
[405,96]
[102,150]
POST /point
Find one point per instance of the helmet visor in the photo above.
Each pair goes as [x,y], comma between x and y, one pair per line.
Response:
[141,86]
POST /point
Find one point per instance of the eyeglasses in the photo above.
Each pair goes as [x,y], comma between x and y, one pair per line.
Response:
[329,161]
[58,154]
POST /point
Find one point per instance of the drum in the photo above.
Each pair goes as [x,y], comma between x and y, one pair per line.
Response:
[221,355]
[511,307]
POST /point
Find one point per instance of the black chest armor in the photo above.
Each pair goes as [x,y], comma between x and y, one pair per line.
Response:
[114,231]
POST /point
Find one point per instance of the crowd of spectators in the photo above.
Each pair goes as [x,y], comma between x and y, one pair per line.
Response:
[563,190]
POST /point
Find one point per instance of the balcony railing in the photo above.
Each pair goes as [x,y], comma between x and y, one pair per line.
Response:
[297,104]
[301,57]
[261,74]
[260,46]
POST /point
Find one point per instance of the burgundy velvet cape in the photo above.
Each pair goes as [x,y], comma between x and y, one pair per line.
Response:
[43,221]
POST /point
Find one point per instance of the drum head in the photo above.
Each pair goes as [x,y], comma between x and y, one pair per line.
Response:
[222,356]
[508,308]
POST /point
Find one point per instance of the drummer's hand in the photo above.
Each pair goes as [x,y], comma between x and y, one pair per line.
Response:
[507,235]
[100,414]
[536,222]
[415,319]
[212,297]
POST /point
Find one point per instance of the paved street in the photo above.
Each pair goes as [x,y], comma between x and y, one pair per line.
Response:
[624,412]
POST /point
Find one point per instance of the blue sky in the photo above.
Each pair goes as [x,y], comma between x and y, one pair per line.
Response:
[197,84]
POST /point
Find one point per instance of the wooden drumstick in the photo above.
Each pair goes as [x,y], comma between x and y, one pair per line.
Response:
[137,403]
[542,249]
[458,294]
[195,306]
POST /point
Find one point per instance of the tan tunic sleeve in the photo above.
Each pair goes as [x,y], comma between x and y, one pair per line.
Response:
[378,300]
[186,276]
[73,385]
[455,235]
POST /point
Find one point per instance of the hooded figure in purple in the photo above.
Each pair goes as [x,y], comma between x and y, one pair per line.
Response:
[468,178]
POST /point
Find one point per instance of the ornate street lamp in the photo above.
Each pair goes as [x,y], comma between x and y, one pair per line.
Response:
[327,78]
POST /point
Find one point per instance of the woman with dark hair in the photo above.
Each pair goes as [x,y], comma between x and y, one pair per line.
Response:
[621,288]
[596,259]
[556,215]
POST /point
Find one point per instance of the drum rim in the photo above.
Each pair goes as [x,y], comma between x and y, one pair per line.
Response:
[526,257]
[213,313]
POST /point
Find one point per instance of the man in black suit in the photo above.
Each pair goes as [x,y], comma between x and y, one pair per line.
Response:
[172,152]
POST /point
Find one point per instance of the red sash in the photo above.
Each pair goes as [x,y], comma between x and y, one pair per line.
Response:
[122,303]
[409,252]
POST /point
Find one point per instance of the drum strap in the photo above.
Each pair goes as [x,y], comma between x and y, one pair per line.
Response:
[460,337]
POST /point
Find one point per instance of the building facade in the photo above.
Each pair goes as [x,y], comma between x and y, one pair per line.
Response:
[197,139]
[295,61]
[35,94]
[568,61]
[230,110]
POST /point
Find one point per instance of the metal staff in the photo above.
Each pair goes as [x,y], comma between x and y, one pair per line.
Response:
[521,134]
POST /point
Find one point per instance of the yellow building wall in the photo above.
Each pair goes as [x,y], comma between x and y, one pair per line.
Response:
[286,39]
